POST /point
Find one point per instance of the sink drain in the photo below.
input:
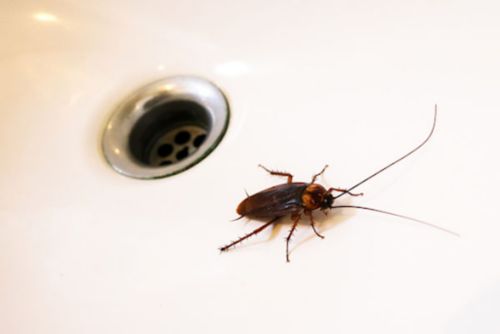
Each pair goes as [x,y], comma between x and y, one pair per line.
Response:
[166,127]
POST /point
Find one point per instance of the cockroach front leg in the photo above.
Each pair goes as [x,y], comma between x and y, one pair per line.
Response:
[294,226]
[310,214]
[344,191]
[272,172]
[257,231]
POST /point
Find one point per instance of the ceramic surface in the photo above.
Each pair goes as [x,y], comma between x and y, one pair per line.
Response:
[350,84]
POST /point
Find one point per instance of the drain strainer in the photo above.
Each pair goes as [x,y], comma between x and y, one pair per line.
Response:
[176,145]
[165,127]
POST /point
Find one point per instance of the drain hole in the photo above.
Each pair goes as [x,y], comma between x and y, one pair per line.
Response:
[199,140]
[182,154]
[165,150]
[182,137]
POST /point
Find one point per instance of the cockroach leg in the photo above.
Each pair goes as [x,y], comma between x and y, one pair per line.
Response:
[257,231]
[344,191]
[316,175]
[310,214]
[290,176]
[294,226]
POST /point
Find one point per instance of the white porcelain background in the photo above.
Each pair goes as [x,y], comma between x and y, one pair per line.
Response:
[351,84]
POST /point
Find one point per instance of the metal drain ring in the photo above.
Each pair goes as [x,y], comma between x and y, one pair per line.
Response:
[151,116]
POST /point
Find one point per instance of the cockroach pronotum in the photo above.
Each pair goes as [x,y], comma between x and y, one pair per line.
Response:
[301,198]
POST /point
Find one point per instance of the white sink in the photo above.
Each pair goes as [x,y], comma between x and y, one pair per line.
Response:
[349,84]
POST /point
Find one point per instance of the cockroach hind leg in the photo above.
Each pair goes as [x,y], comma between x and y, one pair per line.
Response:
[254,232]
[235,219]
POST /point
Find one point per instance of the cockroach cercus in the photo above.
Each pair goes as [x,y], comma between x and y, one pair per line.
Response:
[302,198]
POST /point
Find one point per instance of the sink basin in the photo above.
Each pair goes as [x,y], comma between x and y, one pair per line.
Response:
[85,249]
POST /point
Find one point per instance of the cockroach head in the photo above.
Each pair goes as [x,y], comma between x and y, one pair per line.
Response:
[327,201]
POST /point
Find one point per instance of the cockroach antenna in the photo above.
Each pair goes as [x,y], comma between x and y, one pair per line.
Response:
[396,161]
[383,169]
[396,215]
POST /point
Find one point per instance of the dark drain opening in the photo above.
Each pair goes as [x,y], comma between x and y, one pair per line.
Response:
[169,132]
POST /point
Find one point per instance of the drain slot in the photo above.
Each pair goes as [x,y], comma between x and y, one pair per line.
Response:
[166,127]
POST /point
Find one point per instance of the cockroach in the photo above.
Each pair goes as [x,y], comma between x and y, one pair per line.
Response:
[302,198]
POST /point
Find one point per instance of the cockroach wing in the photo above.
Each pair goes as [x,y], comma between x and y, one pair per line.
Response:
[277,201]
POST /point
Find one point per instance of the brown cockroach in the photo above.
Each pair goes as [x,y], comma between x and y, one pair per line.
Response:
[298,198]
